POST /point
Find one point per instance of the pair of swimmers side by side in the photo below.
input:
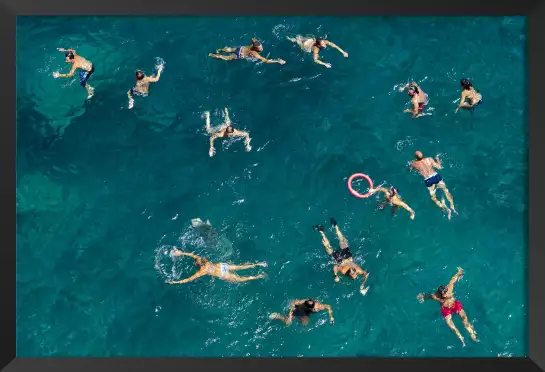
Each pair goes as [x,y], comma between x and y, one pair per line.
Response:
[310,44]
[87,68]
[470,98]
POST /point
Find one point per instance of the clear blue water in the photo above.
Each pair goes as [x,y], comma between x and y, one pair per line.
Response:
[102,191]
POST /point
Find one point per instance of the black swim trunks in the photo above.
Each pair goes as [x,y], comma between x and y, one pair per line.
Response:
[341,254]
[433,180]
[301,310]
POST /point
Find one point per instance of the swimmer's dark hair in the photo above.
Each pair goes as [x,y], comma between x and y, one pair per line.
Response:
[318,41]
[442,290]
[414,88]
[255,43]
[139,74]
[69,55]
[310,303]
[351,271]
[466,84]
[229,129]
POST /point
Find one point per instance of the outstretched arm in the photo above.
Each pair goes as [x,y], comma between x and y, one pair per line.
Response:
[70,74]
[426,296]
[436,162]
[336,47]
[263,59]
[154,79]
[247,138]
[191,278]
[379,189]
[321,307]
[67,50]
[455,279]
[316,55]
[212,150]
[462,100]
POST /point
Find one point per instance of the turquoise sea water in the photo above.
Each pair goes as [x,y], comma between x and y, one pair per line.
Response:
[102,191]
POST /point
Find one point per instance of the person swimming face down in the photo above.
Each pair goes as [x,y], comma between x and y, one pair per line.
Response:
[256,46]
[320,43]
[466,84]
[418,155]
[69,57]
[140,74]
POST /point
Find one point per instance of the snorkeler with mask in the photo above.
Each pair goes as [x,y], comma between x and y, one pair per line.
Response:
[342,257]
[449,306]
[244,52]
[224,130]
[315,45]
[393,199]
[419,99]
[301,310]
[222,271]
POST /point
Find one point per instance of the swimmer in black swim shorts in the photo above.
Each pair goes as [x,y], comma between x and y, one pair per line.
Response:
[244,52]
[342,257]
[141,87]
[426,167]
[301,309]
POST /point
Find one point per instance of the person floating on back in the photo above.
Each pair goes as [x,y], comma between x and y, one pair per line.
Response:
[87,68]
[426,167]
[224,130]
[223,271]
[301,309]
[470,98]
[141,87]
[342,257]
[393,199]
[419,99]
[244,52]
[315,45]
[450,305]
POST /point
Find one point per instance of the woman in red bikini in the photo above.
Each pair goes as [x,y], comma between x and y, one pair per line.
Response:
[450,305]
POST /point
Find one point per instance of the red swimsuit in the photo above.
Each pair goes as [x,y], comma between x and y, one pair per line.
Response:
[455,308]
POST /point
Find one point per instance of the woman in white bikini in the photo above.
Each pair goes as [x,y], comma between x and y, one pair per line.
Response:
[219,270]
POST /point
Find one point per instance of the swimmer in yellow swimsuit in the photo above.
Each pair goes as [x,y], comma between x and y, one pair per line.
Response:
[219,270]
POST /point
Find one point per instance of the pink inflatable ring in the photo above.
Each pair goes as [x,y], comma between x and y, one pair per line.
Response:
[354,192]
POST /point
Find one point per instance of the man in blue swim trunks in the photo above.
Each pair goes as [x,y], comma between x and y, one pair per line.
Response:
[87,68]
[244,52]
[426,167]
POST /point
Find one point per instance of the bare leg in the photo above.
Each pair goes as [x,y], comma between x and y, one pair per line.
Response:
[468,326]
[433,196]
[448,319]
[226,50]
[233,278]
[207,126]
[225,58]
[284,319]
[131,100]
[90,91]
[443,187]
[326,244]
[343,243]
[246,266]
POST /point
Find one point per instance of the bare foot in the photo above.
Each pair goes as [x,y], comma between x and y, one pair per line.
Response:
[274,316]
[449,213]
[262,264]
[91,92]
[363,291]
[206,115]
[412,216]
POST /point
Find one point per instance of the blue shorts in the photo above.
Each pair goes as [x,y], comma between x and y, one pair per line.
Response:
[85,75]
[134,92]
[475,105]
[433,180]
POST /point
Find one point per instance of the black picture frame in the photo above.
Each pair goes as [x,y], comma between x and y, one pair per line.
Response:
[534,10]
